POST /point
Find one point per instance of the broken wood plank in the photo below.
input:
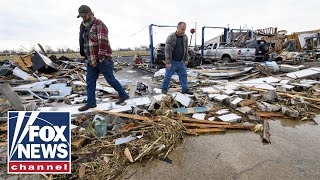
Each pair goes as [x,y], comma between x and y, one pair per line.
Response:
[82,170]
[80,78]
[209,130]
[129,126]
[135,117]
[247,102]
[77,143]
[235,126]
[269,115]
[191,120]
[128,155]
[12,96]
[266,134]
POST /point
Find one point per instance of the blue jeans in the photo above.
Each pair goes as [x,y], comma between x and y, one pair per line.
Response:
[106,68]
[180,68]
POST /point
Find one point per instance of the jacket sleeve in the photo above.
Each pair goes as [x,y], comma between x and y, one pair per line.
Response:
[186,54]
[168,50]
[103,41]
[82,53]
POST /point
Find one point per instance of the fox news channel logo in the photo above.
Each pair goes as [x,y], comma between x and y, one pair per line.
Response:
[39,142]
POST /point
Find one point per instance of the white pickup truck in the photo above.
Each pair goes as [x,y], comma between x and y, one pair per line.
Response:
[218,52]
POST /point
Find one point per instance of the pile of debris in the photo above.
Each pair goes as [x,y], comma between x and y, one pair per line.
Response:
[149,125]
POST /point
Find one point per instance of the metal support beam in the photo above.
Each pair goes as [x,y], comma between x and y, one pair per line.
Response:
[202,40]
[151,40]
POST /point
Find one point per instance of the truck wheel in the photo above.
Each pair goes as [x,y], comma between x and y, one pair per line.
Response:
[225,59]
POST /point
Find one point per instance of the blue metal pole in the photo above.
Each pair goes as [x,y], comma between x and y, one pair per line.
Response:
[225,35]
[202,44]
[151,44]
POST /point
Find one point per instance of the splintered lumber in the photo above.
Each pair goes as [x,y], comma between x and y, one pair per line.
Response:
[235,126]
[77,143]
[269,115]
[247,102]
[191,120]
[80,78]
[266,134]
[135,117]
[209,130]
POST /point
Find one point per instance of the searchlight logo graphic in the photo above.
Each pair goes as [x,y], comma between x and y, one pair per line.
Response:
[39,142]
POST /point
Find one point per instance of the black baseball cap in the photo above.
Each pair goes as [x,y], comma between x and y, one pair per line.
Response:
[83,10]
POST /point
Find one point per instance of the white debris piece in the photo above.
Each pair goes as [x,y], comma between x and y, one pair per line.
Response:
[183,99]
[161,72]
[22,74]
[211,96]
[211,118]
[235,102]
[222,111]
[209,90]
[244,110]
[158,97]
[228,92]
[157,90]
[230,117]
[200,116]
[304,73]
[220,98]
[290,68]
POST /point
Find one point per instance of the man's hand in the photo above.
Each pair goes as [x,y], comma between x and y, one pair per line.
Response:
[186,63]
[168,66]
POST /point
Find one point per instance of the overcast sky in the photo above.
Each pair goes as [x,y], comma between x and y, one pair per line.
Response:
[54,22]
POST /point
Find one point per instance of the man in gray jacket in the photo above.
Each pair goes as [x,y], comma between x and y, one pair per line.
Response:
[176,54]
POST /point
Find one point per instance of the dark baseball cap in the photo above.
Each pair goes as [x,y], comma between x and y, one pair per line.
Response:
[83,10]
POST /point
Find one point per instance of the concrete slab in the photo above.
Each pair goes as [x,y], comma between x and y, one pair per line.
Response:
[244,110]
[220,97]
[183,99]
[200,116]
[304,73]
[290,112]
[228,92]
[235,102]
[209,90]
[230,117]
[211,96]
[222,111]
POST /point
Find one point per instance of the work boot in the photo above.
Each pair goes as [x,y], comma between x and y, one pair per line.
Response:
[187,92]
[85,107]
[122,99]
[164,91]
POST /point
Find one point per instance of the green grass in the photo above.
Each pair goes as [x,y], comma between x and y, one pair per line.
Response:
[75,55]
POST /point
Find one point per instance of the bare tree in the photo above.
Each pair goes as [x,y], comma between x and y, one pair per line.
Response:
[49,49]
